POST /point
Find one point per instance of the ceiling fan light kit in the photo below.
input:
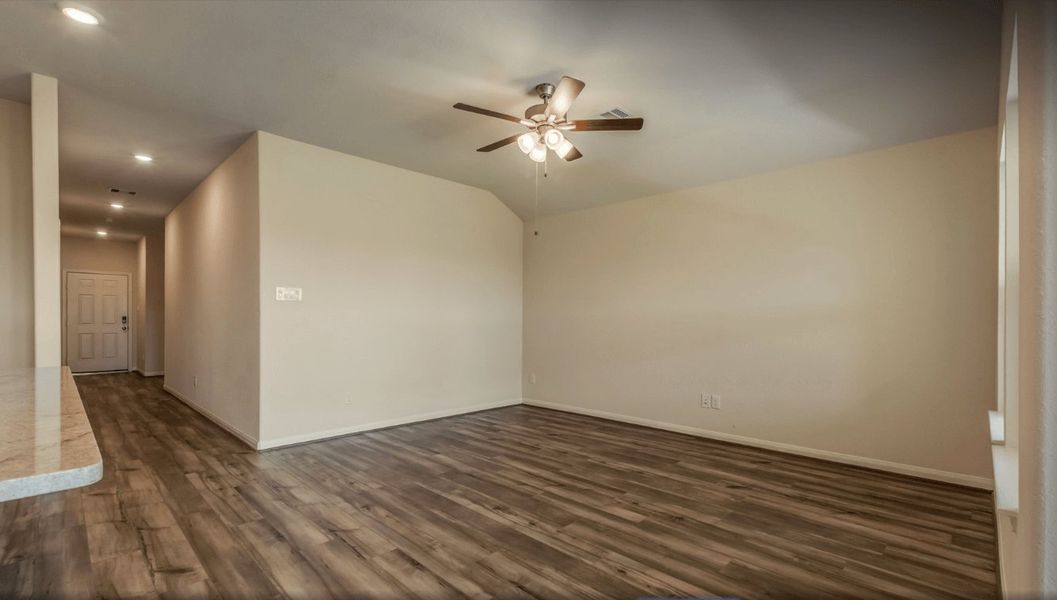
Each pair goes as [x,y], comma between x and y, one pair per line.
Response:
[527,141]
[563,149]
[538,153]
[547,122]
[553,138]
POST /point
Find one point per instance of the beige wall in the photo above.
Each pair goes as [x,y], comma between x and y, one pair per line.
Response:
[412,294]
[16,236]
[99,254]
[47,294]
[1028,539]
[141,301]
[150,303]
[843,308]
[105,256]
[211,295]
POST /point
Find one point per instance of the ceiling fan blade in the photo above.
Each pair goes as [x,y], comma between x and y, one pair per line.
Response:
[500,143]
[486,112]
[608,124]
[572,155]
[567,91]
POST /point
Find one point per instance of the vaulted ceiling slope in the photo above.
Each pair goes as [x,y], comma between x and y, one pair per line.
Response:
[727,88]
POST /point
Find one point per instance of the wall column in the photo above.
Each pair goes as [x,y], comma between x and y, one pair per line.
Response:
[47,276]
[1037,81]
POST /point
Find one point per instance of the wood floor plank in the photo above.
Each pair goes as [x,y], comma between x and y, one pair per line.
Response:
[517,503]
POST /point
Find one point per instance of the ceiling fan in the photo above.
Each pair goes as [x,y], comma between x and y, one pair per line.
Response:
[547,122]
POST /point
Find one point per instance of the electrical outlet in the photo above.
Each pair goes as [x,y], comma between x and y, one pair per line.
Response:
[706,400]
[288,294]
[532,378]
[715,401]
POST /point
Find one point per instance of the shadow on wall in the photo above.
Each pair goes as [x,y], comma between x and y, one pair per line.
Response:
[871,91]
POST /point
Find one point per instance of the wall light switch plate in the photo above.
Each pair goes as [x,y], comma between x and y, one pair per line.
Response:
[715,401]
[288,294]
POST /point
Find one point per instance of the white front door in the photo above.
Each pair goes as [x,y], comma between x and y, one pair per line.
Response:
[97,322]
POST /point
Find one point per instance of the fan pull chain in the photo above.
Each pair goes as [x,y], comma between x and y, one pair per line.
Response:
[536,208]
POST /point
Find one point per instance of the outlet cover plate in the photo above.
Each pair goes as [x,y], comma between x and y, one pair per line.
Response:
[288,294]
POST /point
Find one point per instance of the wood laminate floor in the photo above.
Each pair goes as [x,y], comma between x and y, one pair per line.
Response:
[512,503]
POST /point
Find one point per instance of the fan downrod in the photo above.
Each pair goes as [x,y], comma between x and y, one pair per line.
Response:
[545,91]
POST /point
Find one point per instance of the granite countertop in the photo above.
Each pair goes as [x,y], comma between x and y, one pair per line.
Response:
[46,441]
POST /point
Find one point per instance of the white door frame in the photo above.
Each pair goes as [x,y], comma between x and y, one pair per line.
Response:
[132,349]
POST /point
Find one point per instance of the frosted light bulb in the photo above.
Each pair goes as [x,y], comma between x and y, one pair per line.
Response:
[553,138]
[563,148]
[527,141]
[539,153]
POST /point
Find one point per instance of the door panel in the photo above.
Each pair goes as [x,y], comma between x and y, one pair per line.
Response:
[86,316]
[109,309]
[109,345]
[97,322]
[87,345]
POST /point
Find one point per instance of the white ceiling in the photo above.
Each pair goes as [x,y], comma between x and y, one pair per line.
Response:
[726,88]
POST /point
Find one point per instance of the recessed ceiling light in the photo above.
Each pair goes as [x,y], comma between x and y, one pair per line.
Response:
[100,233]
[143,157]
[81,15]
[117,205]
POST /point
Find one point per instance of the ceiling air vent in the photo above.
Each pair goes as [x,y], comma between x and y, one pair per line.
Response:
[615,113]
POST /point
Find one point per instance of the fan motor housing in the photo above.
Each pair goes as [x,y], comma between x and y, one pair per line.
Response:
[544,91]
[535,112]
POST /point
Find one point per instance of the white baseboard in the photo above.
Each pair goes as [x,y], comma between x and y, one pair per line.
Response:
[340,431]
[249,439]
[150,373]
[848,459]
